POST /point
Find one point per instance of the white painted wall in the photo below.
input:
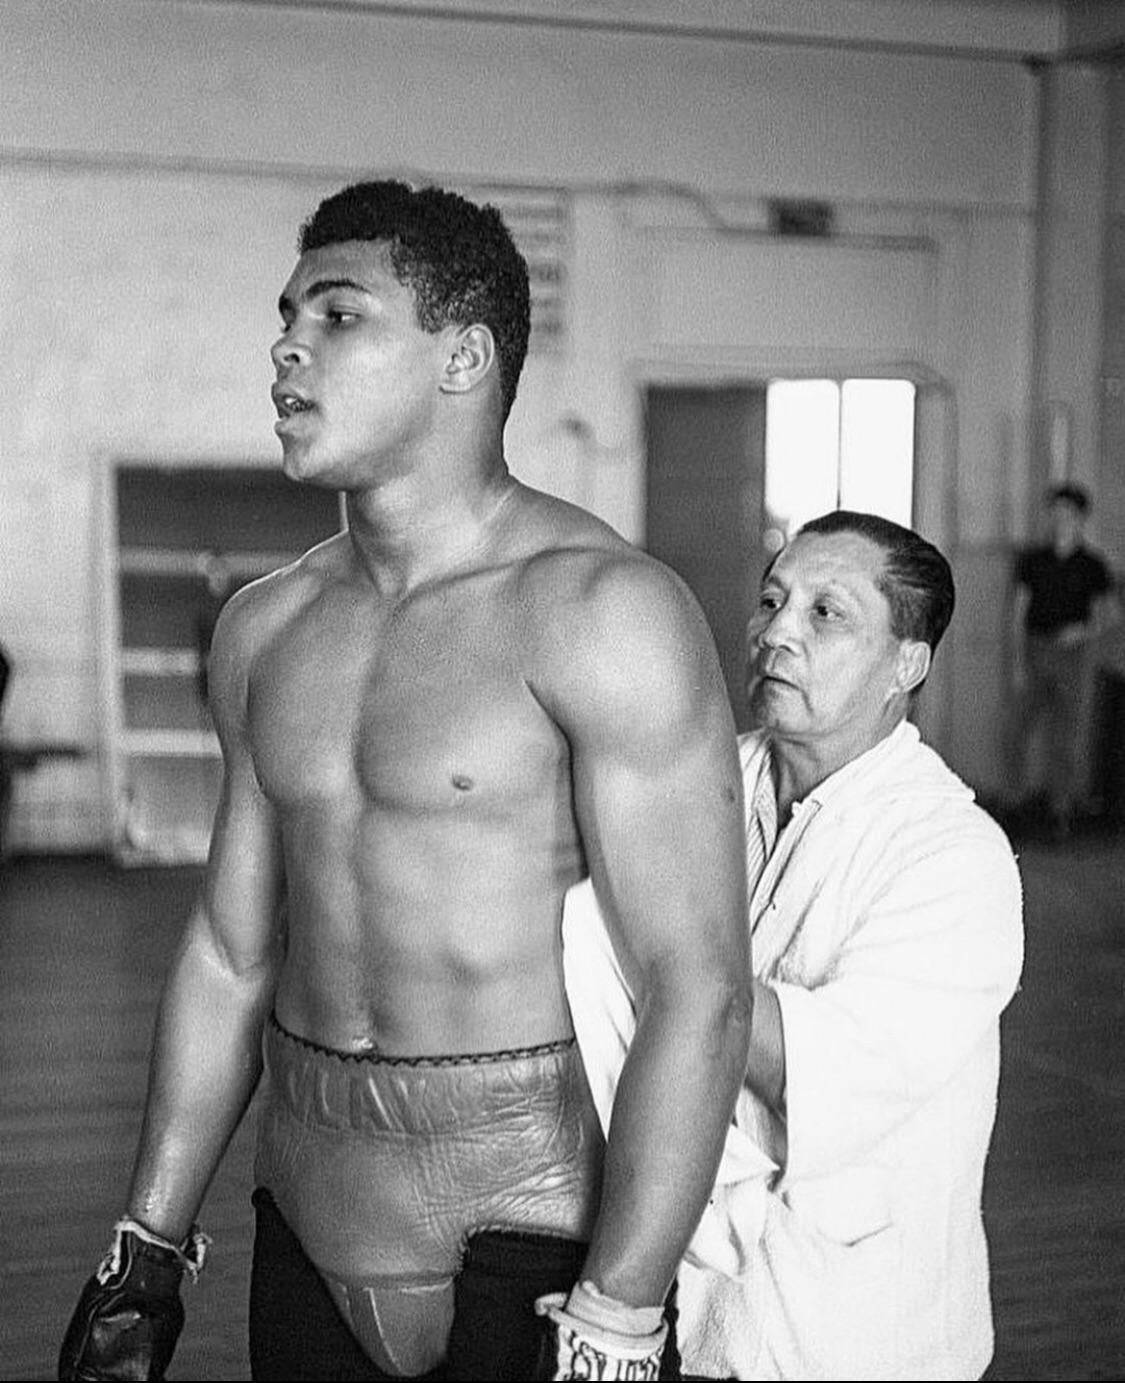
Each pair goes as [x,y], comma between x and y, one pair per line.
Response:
[156,157]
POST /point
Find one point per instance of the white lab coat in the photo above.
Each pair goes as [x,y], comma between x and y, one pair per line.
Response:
[848,1243]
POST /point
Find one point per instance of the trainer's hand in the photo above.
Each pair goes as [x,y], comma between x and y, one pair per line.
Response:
[593,1336]
[129,1315]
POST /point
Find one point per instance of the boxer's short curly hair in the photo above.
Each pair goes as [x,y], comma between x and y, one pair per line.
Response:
[457,258]
[916,579]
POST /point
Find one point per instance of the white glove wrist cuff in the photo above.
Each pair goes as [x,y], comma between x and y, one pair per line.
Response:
[595,1308]
[191,1253]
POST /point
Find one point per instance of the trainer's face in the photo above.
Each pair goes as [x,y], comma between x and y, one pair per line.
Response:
[823,668]
[357,377]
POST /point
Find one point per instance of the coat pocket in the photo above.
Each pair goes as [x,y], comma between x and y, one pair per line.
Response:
[846,1207]
[832,1253]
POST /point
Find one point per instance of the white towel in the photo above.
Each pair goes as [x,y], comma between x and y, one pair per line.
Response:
[719,1324]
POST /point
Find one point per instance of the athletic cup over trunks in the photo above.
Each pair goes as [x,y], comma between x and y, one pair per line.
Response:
[383,1167]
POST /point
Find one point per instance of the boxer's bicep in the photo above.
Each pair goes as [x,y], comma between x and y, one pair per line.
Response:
[241,906]
[658,789]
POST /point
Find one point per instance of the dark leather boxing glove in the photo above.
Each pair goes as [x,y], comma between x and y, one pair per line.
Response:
[129,1315]
[593,1336]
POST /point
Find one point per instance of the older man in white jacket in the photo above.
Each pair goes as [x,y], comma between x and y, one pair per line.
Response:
[844,1238]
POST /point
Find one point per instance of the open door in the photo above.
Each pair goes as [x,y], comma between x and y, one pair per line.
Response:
[703,511]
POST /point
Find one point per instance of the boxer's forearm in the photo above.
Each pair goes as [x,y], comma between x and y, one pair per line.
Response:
[671,1114]
[206,1061]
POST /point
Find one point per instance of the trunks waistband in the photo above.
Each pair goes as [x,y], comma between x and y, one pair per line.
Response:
[343,1090]
[462,1059]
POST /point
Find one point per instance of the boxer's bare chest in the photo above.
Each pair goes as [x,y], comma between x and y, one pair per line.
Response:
[418,706]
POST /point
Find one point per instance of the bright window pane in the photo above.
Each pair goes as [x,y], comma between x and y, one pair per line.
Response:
[877,447]
[802,451]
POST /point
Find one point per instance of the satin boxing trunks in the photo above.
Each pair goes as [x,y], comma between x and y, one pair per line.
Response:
[384,1166]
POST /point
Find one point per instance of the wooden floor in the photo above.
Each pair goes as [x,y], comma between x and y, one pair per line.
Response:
[83,947]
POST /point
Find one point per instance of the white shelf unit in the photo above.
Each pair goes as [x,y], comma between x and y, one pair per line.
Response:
[168,528]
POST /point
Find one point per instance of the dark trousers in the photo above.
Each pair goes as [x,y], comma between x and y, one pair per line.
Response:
[1050,715]
[297,1333]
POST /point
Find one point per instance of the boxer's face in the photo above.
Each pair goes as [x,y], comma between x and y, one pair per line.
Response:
[357,377]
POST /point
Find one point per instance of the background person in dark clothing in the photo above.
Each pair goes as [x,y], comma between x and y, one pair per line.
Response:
[6,766]
[1060,604]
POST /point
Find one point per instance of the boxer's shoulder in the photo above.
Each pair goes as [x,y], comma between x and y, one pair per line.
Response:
[594,593]
[257,614]
[568,559]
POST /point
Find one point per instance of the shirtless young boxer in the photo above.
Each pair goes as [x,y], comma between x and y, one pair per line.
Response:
[432,725]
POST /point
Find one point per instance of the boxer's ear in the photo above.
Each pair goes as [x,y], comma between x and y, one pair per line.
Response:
[471,356]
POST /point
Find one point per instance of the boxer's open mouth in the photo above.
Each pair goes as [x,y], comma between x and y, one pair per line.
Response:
[289,404]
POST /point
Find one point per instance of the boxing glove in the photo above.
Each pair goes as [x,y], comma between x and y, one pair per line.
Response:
[589,1335]
[129,1315]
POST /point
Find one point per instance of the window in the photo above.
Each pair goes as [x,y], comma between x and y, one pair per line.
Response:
[837,445]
